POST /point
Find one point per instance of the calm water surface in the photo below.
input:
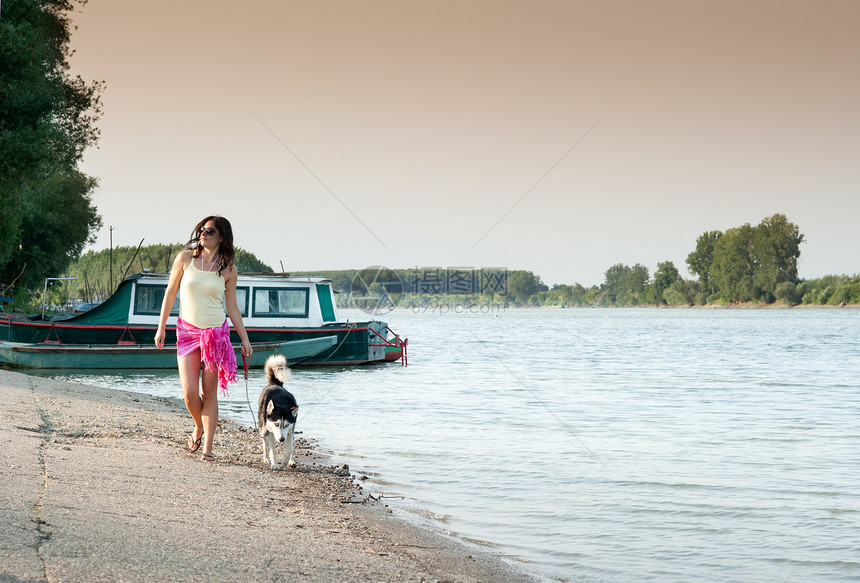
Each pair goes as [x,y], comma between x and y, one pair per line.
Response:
[607,445]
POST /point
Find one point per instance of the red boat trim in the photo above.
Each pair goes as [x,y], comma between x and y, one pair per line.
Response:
[84,326]
[144,327]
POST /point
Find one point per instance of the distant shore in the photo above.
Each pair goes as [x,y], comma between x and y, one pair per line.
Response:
[97,485]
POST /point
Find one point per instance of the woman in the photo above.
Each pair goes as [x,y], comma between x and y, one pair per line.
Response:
[205,276]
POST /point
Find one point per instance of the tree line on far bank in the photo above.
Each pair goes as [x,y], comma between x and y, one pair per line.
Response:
[747,264]
[830,290]
[742,265]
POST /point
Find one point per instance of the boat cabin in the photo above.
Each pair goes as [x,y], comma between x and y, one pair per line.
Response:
[265,300]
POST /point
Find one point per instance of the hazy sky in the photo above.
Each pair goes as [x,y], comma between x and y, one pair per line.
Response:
[560,137]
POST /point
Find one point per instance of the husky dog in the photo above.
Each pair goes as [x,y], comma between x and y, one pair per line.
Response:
[278,410]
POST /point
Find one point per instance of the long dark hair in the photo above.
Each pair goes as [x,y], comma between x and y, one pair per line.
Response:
[226,250]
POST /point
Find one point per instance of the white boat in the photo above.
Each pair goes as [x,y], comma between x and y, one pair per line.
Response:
[276,308]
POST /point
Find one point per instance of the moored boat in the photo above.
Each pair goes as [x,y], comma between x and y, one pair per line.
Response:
[133,356]
[275,308]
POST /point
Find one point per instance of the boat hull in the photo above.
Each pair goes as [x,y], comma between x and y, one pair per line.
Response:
[100,356]
[356,343]
[275,308]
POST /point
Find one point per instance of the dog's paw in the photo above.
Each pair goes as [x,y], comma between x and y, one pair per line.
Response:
[292,463]
[276,466]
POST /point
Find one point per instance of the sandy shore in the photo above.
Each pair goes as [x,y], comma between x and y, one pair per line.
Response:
[96,485]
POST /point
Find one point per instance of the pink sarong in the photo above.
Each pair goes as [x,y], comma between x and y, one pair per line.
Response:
[215,349]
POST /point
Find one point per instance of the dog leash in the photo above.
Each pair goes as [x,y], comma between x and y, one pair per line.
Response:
[247,394]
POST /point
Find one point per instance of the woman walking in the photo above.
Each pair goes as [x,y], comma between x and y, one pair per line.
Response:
[205,277]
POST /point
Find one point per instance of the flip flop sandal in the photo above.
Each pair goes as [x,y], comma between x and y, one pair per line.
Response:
[195,445]
[207,457]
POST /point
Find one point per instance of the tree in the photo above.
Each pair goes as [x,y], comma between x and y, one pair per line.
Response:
[614,282]
[524,284]
[47,120]
[681,293]
[637,281]
[626,286]
[570,295]
[786,292]
[748,263]
[733,265]
[701,260]
[665,276]
[776,248]
[247,262]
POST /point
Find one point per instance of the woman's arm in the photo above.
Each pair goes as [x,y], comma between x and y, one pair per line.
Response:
[231,275]
[176,272]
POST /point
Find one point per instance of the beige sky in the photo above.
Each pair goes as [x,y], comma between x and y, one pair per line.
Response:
[344,134]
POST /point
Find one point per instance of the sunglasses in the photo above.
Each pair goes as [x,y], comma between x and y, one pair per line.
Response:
[208,231]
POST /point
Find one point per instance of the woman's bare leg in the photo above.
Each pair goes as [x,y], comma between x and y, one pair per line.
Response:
[189,377]
[209,408]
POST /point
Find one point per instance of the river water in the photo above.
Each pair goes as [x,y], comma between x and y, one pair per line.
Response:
[605,445]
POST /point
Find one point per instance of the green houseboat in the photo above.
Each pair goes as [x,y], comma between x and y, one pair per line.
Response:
[276,308]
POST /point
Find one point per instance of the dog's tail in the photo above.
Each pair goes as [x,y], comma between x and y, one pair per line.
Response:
[277,371]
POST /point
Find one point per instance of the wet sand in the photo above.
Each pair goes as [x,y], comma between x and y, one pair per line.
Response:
[97,485]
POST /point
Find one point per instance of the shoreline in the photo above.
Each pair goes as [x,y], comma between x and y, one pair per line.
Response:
[448,307]
[98,486]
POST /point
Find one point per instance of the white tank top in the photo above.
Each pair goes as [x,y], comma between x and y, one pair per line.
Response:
[201,297]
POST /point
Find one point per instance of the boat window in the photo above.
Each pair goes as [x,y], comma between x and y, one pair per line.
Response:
[242,296]
[148,298]
[326,306]
[281,302]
